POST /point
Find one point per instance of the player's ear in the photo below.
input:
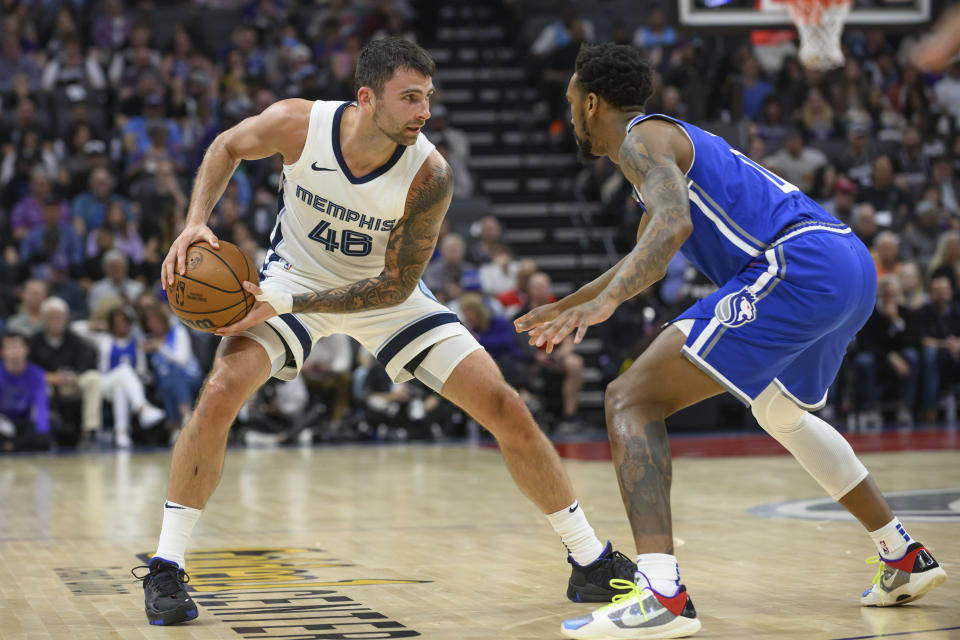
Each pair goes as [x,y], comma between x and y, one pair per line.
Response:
[591,104]
[366,98]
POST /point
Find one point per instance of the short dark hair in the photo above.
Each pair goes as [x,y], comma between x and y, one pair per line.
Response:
[14,335]
[615,72]
[380,59]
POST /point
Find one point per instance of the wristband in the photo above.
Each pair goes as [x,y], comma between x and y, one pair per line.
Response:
[281,301]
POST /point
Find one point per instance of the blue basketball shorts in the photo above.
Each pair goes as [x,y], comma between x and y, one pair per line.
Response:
[786,318]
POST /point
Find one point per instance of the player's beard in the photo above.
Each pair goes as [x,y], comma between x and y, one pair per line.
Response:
[584,145]
[399,135]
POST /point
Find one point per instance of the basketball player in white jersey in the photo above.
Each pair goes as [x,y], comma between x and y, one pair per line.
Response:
[360,207]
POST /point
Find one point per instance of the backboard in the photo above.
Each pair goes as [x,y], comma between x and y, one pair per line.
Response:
[768,13]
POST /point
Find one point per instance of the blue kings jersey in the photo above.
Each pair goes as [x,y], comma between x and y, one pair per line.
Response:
[738,208]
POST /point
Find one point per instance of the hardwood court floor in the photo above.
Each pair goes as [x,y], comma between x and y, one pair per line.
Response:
[434,542]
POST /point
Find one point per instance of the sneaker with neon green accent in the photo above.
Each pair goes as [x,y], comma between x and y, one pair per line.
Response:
[639,612]
[904,580]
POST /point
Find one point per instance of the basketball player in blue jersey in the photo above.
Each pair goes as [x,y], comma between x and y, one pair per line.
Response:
[362,199]
[795,285]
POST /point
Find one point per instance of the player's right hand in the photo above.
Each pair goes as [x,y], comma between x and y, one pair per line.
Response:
[537,317]
[176,260]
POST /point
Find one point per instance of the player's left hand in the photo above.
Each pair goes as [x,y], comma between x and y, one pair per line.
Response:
[261,312]
[578,318]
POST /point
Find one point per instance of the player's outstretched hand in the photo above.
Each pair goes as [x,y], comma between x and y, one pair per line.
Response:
[537,317]
[577,318]
[261,312]
[176,260]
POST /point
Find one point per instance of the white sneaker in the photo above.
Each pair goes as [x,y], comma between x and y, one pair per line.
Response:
[123,440]
[150,415]
[904,580]
[638,614]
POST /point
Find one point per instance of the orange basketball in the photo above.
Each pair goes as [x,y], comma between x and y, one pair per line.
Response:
[210,294]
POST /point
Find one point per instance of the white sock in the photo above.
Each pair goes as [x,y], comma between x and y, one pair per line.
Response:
[661,572]
[178,522]
[576,533]
[891,539]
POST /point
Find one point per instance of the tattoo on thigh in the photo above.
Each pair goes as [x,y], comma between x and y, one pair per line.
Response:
[645,473]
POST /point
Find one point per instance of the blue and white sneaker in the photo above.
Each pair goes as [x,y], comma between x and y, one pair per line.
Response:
[640,612]
[904,580]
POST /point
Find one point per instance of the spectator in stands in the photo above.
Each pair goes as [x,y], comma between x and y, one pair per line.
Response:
[865,223]
[560,373]
[513,300]
[24,410]
[28,214]
[947,91]
[499,274]
[795,162]
[55,240]
[911,286]
[888,199]
[886,348]
[856,159]
[455,141]
[443,277]
[90,207]
[912,162]
[841,206]
[655,36]
[171,361]
[886,253]
[817,117]
[123,368]
[919,240]
[486,234]
[70,363]
[771,126]
[14,63]
[558,33]
[115,283]
[753,88]
[73,73]
[947,181]
[125,237]
[29,320]
[111,25]
[938,324]
[946,259]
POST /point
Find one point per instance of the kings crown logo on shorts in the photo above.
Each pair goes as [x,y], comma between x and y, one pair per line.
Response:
[737,309]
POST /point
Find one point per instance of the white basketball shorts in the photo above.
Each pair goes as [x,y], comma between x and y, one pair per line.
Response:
[395,335]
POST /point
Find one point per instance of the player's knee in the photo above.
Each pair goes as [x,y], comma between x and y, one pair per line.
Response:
[219,395]
[510,418]
[776,413]
[633,391]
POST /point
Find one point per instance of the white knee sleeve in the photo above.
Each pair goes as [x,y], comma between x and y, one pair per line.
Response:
[817,446]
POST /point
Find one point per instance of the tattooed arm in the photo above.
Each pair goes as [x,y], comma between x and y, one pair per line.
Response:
[650,157]
[409,249]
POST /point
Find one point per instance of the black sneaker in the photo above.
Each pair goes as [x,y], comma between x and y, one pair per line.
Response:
[164,598]
[592,582]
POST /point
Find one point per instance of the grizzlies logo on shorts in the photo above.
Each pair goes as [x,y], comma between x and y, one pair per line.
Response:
[737,309]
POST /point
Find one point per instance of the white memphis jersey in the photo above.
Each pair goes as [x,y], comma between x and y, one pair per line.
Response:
[332,226]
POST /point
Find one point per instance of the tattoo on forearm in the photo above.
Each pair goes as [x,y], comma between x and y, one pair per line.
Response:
[645,472]
[667,200]
[408,251]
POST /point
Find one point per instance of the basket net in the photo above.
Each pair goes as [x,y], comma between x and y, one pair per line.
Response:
[820,24]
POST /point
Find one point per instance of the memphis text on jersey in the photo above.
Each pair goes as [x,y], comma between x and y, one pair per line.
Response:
[334,210]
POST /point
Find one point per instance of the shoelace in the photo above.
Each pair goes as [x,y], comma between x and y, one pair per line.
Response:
[621,598]
[879,575]
[180,577]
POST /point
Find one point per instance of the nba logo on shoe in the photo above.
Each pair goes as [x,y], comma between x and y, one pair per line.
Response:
[883,545]
[737,309]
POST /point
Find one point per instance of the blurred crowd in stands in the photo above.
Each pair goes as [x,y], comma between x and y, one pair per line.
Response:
[108,106]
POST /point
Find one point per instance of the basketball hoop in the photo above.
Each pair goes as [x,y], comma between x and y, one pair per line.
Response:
[820,24]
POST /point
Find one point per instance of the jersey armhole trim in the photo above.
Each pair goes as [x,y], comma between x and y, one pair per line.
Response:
[660,116]
[290,170]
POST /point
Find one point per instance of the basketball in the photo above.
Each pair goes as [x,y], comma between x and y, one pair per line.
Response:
[210,293]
